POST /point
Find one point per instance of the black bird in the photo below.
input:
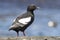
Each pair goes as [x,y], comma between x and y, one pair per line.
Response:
[23,21]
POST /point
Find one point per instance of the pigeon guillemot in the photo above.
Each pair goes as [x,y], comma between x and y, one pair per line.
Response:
[23,21]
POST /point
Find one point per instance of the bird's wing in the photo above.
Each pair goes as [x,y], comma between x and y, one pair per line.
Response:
[23,19]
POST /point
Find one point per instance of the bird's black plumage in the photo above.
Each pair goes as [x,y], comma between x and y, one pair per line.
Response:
[18,26]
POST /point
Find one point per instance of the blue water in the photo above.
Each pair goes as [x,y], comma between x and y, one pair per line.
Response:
[39,26]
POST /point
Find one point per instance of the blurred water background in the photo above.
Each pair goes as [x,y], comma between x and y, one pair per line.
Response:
[10,9]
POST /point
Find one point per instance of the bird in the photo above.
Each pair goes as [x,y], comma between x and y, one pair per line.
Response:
[22,22]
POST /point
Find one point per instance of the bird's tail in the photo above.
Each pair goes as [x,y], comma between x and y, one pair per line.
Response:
[9,29]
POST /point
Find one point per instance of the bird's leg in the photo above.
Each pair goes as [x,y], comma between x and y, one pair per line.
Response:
[17,33]
[24,34]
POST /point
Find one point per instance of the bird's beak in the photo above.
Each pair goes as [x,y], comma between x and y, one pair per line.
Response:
[38,7]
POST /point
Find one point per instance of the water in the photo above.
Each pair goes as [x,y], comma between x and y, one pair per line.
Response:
[39,26]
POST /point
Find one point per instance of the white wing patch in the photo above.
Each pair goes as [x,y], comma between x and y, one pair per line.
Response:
[25,20]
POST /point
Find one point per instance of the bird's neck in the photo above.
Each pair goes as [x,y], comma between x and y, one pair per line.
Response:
[31,12]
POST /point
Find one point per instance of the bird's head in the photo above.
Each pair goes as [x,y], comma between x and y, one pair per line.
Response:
[32,7]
